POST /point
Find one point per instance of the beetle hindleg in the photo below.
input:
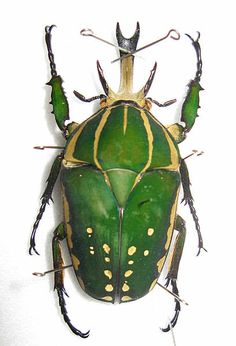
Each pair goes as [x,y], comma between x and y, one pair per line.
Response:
[58,263]
[188,199]
[46,197]
[174,267]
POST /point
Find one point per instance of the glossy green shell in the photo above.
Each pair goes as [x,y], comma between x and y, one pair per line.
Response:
[120,181]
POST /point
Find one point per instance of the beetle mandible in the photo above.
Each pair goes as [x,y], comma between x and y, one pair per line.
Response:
[121,172]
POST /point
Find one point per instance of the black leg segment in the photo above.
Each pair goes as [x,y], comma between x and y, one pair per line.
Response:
[58,263]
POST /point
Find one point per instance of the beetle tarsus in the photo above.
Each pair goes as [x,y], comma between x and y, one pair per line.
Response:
[62,304]
[197,48]
[177,305]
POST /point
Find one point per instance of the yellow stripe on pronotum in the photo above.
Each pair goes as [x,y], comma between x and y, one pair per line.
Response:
[97,137]
[150,145]
[125,119]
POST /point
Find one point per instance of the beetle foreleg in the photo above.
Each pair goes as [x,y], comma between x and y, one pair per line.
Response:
[58,263]
[188,199]
[46,197]
[174,267]
[58,97]
[191,102]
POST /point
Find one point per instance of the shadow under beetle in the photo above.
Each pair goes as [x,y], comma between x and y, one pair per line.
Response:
[120,172]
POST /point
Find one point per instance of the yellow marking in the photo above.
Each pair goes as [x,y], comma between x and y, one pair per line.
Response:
[125,119]
[125,287]
[150,146]
[97,137]
[146,253]
[109,288]
[91,247]
[172,221]
[108,273]
[67,220]
[128,273]
[107,298]
[76,262]
[131,262]
[150,231]
[106,248]
[153,284]
[89,230]
[71,147]
[174,154]
[160,263]
[131,250]
[81,282]
[92,252]
[107,259]
[126,298]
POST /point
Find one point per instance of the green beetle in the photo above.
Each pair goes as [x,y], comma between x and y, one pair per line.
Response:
[121,172]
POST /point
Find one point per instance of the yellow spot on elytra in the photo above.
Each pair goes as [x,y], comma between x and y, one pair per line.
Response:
[106,248]
[146,253]
[89,230]
[131,250]
[107,259]
[75,261]
[109,288]
[92,252]
[108,273]
[131,262]
[153,284]
[126,298]
[128,273]
[160,263]
[91,247]
[150,231]
[107,298]
[125,287]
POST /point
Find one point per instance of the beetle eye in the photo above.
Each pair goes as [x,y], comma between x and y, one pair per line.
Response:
[103,103]
[148,104]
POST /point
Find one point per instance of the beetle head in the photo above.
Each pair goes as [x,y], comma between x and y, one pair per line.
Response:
[125,92]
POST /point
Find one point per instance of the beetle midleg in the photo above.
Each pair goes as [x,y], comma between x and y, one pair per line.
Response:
[174,266]
[58,263]
[46,197]
[188,199]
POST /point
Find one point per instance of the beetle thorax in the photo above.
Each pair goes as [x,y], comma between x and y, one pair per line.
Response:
[125,91]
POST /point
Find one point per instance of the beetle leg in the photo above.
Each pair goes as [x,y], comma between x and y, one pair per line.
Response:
[165,104]
[46,197]
[58,97]
[188,199]
[191,103]
[174,267]
[90,99]
[58,263]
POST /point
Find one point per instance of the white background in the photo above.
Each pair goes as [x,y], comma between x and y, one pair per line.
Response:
[29,314]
